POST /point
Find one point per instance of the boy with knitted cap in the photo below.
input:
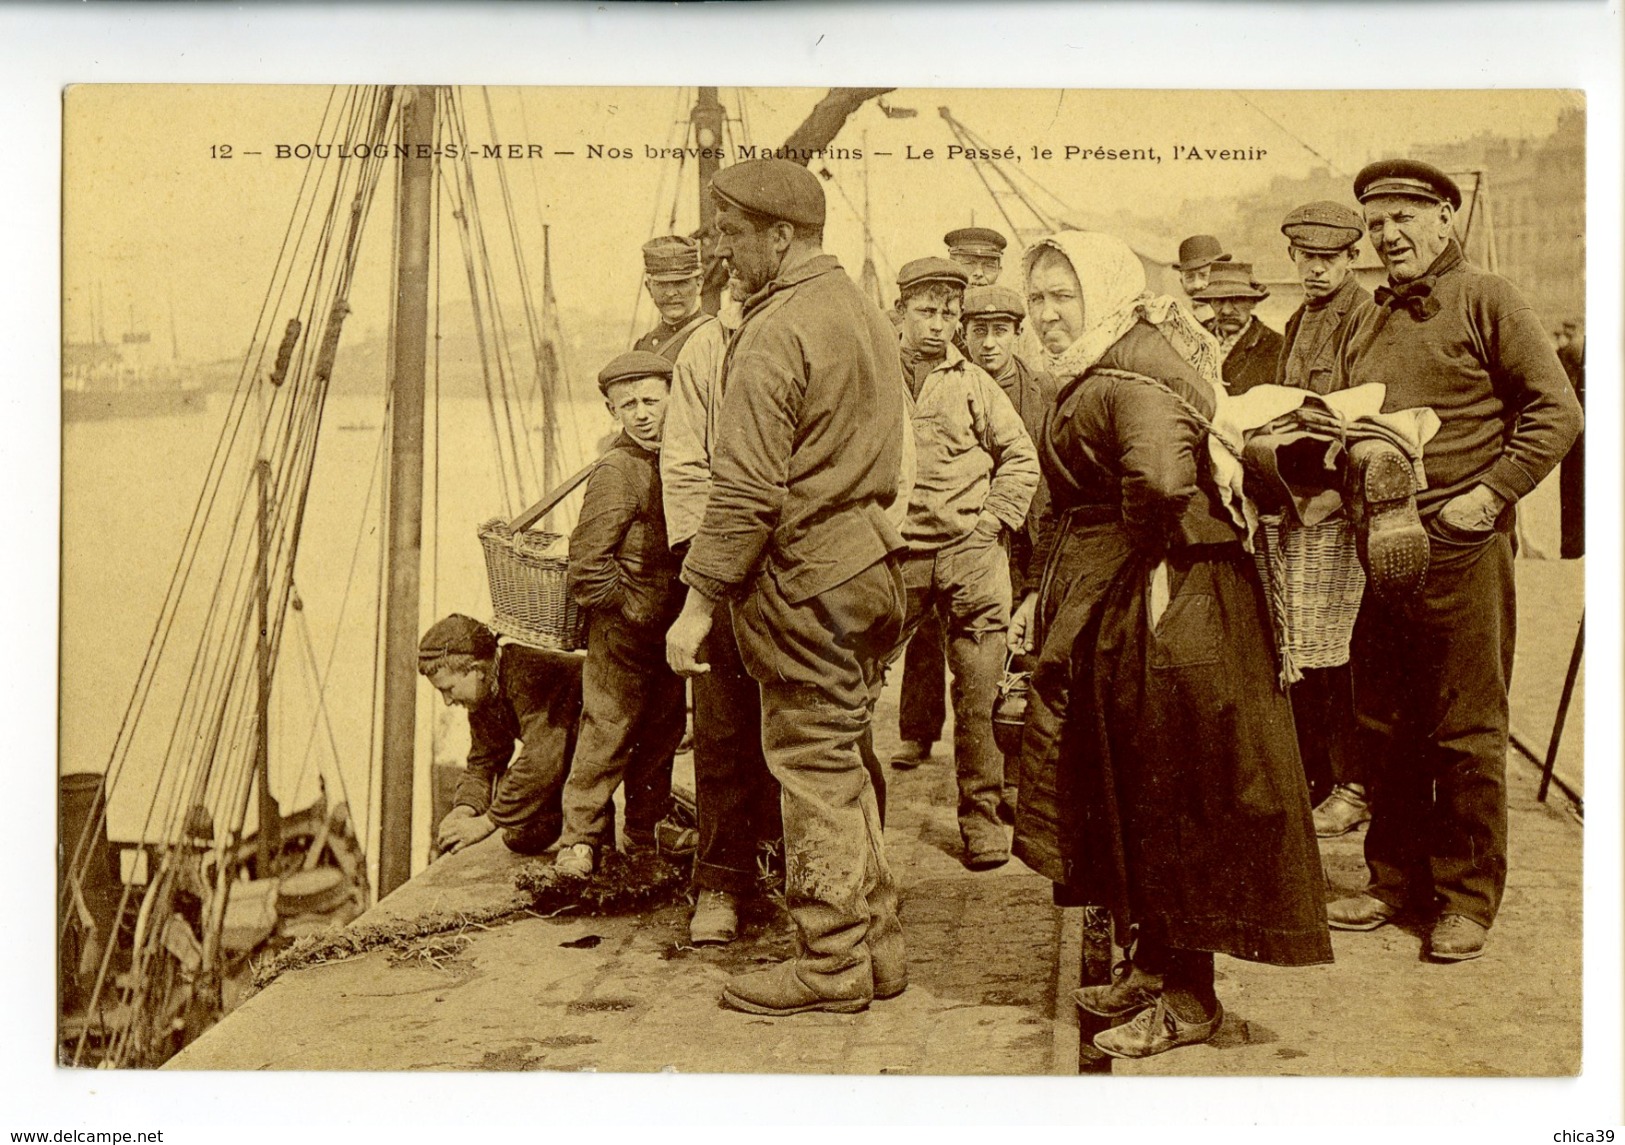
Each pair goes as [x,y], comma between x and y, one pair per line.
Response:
[623,574]
[515,696]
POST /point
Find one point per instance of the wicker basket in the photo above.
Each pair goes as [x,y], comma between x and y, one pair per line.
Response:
[529,591]
[1313,582]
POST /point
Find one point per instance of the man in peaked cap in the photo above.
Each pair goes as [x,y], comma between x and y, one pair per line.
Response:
[977,473]
[1322,241]
[1251,349]
[672,274]
[798,543]
[1197,254]
[1431,671]
[979,250]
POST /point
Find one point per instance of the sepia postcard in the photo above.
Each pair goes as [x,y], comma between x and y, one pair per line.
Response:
[325,347]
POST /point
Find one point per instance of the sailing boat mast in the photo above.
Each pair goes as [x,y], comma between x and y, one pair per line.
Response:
[708,116]
[414,202]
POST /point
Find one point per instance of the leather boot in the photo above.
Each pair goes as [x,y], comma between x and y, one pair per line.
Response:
[1388,533]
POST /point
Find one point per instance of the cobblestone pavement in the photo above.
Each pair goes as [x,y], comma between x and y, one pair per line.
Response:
[990,959]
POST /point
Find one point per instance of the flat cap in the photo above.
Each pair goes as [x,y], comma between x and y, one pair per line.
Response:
[992,302]
[976,240]
[1231,280]
[457,635]
[632,365]
[1323,227]
[1199,250]
[777,188]
[924,270]
[1409,177]
[672,258]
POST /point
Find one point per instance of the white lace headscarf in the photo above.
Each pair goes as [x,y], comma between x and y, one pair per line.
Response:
[1111,278]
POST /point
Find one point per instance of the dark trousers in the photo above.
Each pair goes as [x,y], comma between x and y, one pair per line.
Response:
[921,708]
[632,717]
[1431,680]
[819,662]
[1328,739]
[738,798]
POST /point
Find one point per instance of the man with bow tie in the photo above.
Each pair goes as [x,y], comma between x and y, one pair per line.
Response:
[1431,670]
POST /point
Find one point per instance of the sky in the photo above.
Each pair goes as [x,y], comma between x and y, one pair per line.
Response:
[159,225]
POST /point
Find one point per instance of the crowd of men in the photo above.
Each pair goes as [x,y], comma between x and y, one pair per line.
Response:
[793,502]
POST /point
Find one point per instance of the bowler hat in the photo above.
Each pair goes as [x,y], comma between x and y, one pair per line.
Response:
[983,241]
[1323,227]
[672,258]
[776,188]
[992,302]
[923,270]
[1199,250]
[632,365]
[1231,280]
[1410,177]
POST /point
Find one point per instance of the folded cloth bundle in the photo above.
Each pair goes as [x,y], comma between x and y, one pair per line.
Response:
[1293,442]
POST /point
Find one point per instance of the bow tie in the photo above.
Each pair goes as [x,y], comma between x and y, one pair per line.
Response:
[1417,297]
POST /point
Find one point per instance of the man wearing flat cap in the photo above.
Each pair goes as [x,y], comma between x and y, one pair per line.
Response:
[979,252]
[797,541]
[977,470]
[1322,241]
[516,697]
[1197,254]
[1250,348]
[623,576]
[673,274]
[1431,671]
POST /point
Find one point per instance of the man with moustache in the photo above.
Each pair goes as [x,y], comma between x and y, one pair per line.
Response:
[1250,348]
[1431,671]
[672,274]
[797,543]
[1323,242]
[1197,254]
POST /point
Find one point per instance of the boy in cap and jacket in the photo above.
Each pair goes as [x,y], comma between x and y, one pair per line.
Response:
[1323,242]
[515,696]
[977,471]
[623,574]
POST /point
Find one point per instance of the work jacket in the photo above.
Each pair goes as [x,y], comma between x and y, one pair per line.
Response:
[1252,359]
[809,446]
[537,704]
[1308,359]
[973,455]
[619,559]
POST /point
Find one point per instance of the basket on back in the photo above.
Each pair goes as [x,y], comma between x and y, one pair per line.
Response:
[529,577]
[530,595]
[1313,583]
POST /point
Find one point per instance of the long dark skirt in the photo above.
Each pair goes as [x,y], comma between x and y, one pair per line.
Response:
[1179,793]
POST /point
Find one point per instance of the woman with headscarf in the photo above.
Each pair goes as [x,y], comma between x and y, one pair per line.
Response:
[1159,769]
